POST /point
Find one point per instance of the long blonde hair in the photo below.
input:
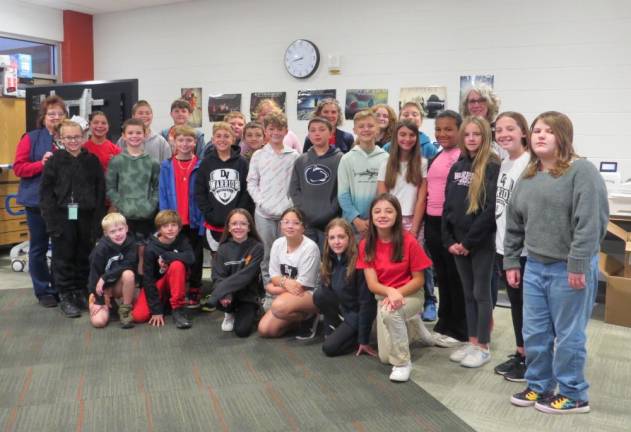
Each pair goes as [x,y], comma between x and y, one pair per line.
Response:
[563,131]
[484,156]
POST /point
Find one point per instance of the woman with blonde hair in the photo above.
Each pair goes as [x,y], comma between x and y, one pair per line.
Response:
[559,212]
[468,225]
[331,110]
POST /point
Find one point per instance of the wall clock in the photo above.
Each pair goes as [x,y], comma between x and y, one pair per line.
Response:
[302,58]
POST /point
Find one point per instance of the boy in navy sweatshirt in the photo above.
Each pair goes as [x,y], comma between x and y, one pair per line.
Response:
[313,187]
[168,257]
[113,262]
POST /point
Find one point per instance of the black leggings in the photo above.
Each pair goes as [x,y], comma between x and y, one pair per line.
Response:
[244,316]
[451,309]
[343,338]
[516,297]
[475,273]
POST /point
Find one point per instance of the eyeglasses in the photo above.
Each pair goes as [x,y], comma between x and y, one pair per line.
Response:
[76,138]
[476,101]
[239,224]
[290,223]
[52,114]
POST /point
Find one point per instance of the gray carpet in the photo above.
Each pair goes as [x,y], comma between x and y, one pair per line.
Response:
[58,374]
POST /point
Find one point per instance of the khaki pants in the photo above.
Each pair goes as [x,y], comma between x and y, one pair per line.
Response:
[395,330]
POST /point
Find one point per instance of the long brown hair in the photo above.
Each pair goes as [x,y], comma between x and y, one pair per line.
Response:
[563,131]
[397,230]
[485,155]
[225,236]
[414,173]
[326,268]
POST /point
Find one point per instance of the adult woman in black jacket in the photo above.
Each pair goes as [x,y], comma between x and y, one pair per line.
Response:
[344,300]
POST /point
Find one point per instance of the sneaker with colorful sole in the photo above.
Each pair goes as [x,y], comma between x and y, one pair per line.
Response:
[560,404]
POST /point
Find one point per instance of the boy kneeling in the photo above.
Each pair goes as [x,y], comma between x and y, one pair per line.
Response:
[168,257]
[112,264]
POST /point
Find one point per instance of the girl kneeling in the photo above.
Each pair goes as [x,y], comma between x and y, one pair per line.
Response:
[393,264]
[293,270]
[344,299]
[237,273]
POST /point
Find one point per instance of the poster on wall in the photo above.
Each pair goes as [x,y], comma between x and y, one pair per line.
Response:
[193,95]
[309,99]
[431,99]
[221,104]
[361,99]
[257,97]
[468,81]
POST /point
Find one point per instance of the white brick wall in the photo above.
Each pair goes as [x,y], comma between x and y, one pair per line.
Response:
[564,55]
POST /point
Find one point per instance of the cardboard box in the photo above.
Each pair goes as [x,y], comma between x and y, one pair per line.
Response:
[618,294]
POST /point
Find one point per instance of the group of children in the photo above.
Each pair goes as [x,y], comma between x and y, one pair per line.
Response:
[344,230]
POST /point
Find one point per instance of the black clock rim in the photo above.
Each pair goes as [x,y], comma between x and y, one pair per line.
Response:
[317,63]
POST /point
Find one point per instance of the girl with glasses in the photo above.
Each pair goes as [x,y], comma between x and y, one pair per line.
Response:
[293,269]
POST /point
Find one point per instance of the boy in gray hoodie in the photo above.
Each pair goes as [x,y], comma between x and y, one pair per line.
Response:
[313,187]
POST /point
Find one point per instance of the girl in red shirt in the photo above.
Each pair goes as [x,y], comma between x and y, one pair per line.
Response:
[98,144]
[393,264]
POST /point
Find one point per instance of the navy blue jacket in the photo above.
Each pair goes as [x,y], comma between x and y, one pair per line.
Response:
[28,192]
[357,304]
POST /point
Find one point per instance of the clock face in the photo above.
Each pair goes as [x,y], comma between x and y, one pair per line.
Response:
[302,58]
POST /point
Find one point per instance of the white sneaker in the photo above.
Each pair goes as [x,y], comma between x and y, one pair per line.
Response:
[461,353]
[445,341]
[476,357]
[401,373]
[228,322]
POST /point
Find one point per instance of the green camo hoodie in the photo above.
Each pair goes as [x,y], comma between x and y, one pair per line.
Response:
[132,185]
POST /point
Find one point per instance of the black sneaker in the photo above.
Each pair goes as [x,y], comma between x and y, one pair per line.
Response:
[181,319]
[508,365]
[69,309]
[517,374]
[79,299]
[48,301]
[308,328]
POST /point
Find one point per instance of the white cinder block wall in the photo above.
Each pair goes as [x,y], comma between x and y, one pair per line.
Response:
[564,55]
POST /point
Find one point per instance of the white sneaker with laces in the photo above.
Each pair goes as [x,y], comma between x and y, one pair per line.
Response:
[461,353]
[476,357]
[228,322]
[401,373]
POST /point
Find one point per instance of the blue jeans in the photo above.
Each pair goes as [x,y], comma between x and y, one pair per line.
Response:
[38,247]
[557,315]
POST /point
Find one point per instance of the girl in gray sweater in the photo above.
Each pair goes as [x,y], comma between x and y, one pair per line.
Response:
[558,211]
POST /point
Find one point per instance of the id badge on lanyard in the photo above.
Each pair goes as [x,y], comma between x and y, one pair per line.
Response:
[73,209]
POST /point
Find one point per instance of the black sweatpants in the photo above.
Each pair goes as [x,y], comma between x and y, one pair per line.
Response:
[71,251]
[516,298]
[340,337]
[245,314]
[197,243]
[451,310]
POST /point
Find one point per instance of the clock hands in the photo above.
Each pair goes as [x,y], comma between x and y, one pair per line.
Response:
[296,59]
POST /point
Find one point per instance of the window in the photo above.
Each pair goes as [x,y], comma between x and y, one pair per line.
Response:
[44,55]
